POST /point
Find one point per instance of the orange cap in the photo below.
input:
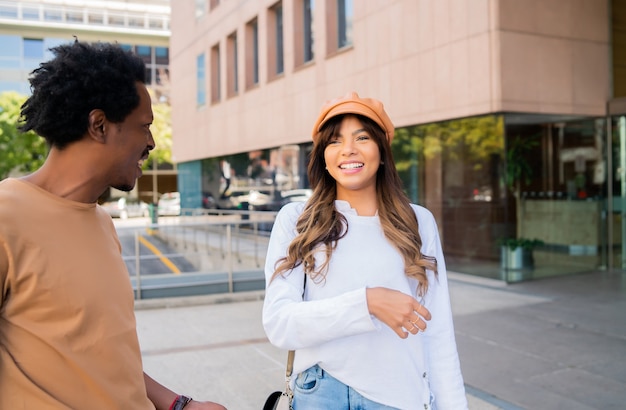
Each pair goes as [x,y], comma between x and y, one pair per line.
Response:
[351,103]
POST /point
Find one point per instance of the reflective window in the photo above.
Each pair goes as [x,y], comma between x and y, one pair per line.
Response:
[200,80]
[232,61]
[33,49]
[454,169]
[200,8]
[145,52]
[30,13]
[10,46]
[308,30]
[275,53]
[252,53]
[161,55]
[344,23]
[216,74]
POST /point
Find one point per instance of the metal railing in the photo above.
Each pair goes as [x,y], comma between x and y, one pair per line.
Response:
[200,252]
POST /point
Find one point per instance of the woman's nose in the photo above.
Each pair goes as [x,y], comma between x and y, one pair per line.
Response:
[347,147]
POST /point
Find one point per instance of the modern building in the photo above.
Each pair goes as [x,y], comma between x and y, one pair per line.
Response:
[28,29]
[510,115]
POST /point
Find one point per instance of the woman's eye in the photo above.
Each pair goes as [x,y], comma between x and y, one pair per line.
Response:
[362,137]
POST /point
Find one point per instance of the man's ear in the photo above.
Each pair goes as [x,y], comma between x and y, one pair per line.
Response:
[97,126]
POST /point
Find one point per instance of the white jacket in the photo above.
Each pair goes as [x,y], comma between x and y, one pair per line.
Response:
[333,327]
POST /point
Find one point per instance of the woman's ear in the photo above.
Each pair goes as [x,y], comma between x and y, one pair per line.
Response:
[97,125]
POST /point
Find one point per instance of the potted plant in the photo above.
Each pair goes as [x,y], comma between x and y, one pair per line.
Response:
[517,253]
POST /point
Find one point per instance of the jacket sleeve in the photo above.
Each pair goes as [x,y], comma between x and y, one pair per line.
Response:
[446,380]
[288,320]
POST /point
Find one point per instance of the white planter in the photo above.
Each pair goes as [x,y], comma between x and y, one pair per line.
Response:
[517,264]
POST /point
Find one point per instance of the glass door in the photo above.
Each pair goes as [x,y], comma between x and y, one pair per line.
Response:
[616,227]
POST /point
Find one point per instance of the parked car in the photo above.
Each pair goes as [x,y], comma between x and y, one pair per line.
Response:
[126,207]
[208,201]
[292,195]
[249,199]
[169,204]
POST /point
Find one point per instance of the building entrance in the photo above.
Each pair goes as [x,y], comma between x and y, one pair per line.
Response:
[616,206]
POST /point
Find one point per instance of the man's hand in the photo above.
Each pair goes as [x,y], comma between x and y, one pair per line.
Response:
[397,310]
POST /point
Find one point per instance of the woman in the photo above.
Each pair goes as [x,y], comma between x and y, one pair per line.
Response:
[356,280]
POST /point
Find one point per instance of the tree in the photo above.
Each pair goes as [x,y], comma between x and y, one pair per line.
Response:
[162,133]
[19,151]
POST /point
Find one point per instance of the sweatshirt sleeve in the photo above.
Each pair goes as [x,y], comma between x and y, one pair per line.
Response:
[446,380]
[290,322]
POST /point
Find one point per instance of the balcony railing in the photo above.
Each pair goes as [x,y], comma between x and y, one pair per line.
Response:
[88,15]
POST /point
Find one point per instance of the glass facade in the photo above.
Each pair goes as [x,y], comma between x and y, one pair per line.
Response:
[488,180]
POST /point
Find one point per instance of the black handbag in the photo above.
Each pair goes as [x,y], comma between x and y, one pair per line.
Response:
[281,400]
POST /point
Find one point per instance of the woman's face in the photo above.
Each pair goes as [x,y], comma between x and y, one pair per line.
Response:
[352,158]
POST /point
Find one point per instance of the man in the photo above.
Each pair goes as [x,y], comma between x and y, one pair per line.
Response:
[67,325]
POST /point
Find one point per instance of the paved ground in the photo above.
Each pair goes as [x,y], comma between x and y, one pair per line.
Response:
[555,343]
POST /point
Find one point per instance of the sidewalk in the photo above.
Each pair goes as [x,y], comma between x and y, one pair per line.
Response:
[555,343]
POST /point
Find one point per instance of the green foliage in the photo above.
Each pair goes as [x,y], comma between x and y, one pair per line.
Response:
[162,133]
[472,139]
[19,152]
[524,243]
[518,169]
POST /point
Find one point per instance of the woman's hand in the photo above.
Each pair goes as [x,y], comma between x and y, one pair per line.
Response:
[397,310]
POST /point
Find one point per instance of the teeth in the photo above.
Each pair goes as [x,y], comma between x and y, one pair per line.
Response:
[140,162]
[350,166]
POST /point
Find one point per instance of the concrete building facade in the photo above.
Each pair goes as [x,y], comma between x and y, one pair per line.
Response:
[28,29]
[508,113]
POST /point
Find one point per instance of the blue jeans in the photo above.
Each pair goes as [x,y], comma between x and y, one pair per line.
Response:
[317,390]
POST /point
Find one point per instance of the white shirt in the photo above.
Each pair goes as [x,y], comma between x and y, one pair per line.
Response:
[334,329]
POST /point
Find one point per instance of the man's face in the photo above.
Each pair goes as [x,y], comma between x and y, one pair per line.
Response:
[131,142]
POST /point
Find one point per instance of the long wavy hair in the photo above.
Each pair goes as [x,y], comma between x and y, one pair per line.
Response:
[321,224]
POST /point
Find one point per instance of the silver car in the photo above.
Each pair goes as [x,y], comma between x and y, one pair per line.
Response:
[126,207]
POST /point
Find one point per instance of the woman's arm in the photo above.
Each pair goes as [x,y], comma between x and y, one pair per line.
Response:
[446,380]
[290,322]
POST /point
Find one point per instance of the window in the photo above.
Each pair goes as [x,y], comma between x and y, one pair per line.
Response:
[116,20]
[200,80]
[162,55]
[30,13]
[10,51]
[338,25]
[216,74]
[232,65]
[50,14]
[344,23]
[136,21]
[33,49]
[304,35]
[8,11]
[33,53]
[73,15]
[275,57]
[95,17]
[213,4]
[252,53]
[163,76]
[200,8]
[145,52]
